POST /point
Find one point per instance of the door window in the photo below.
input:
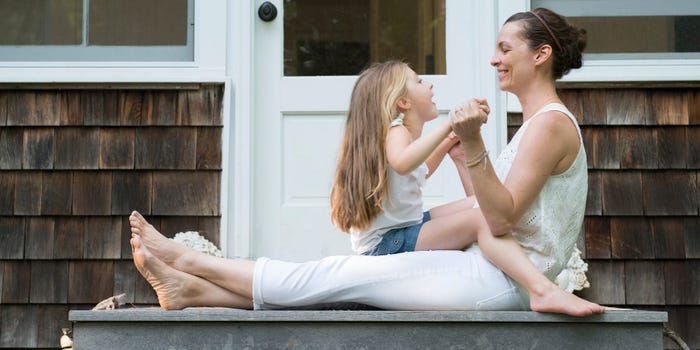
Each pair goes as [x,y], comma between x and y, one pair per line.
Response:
[340,37]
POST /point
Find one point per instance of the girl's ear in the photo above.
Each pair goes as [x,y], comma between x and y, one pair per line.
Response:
[403,104]
[543,54]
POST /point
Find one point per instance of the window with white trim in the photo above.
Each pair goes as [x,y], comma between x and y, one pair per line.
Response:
[634,29]
[97,30]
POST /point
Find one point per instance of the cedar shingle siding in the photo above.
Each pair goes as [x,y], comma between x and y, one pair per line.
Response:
[73,164]
[642,230]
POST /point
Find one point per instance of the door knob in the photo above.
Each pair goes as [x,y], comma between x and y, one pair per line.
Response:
[267,11]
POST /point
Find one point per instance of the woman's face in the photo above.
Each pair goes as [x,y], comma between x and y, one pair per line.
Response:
[513,60]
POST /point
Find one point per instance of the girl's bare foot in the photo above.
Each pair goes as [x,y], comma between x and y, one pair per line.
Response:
[555,299]
[170,252]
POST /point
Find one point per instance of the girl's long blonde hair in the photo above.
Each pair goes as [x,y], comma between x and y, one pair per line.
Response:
[360,184]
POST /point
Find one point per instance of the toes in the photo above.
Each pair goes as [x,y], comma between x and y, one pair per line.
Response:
[135,242]
[137,216]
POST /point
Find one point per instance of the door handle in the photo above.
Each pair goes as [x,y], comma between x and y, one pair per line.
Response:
[267,11]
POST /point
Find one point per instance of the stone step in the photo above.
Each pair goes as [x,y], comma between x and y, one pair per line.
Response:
[221,328]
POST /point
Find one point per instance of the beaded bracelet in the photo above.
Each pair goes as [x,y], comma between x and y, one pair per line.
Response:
[474,162]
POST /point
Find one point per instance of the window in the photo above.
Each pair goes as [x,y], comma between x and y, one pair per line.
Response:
[97,30]
[340,37]
[634,29]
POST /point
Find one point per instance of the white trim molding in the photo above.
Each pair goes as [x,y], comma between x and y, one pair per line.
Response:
[238,201]
[636,70]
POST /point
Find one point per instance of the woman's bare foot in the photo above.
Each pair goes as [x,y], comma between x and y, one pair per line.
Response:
[170,252]
[555,299]
[178,290]
[168,283]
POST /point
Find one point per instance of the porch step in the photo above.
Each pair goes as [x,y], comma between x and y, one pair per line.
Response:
[221,328]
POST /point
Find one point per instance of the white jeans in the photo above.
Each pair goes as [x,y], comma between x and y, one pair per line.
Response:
[424,280]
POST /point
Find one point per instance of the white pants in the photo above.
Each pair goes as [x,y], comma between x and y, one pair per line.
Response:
[424,280]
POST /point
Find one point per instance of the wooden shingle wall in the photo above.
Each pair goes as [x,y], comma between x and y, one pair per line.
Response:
[73,164]
[642,230]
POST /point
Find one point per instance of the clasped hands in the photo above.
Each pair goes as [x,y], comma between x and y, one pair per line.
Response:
[466,120]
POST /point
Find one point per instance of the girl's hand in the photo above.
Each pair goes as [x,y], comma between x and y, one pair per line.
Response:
[484,106]
[456,152]
[452,138]
[468,118]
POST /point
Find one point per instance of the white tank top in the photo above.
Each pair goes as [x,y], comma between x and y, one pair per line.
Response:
[549,229]
[402,207]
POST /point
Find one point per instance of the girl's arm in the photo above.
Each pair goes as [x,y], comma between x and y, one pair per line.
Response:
[403,155]
[439,153]
[549,146]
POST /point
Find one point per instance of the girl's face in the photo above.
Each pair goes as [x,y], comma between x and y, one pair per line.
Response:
[513,60]
[420,96]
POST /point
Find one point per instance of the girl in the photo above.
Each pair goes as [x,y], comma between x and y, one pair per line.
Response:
[384,161]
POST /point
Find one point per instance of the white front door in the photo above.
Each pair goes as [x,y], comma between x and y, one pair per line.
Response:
[303,76]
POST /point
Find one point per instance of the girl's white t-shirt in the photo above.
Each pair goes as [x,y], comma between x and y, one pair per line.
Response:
[402,207]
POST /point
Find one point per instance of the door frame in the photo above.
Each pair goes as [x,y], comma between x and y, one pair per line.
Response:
[242,63]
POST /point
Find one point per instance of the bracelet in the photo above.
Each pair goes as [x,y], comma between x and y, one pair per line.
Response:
[474,162]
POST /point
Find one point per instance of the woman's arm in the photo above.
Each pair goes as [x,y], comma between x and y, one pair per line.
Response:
[549,142]
[405,155]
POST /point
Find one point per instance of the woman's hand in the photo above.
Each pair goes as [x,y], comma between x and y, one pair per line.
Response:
[468,118]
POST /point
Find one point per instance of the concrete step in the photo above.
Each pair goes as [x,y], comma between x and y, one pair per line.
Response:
[221,328]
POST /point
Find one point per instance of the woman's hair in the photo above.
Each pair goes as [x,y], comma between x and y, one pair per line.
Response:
[542,26]
[360,183]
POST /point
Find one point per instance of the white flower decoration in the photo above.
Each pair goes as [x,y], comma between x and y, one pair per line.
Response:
[197,242]
[573,277]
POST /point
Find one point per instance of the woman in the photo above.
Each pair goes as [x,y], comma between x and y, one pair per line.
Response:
[536,191]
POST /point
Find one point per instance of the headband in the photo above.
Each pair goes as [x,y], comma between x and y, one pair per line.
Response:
[549,30]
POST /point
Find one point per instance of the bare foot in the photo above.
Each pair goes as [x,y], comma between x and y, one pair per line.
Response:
[163,248]
[176,289]
[168,283]
[555,299]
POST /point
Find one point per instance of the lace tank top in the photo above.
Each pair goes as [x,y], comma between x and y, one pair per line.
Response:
[549,229]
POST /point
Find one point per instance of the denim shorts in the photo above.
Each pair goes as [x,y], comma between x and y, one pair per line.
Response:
[399,240]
